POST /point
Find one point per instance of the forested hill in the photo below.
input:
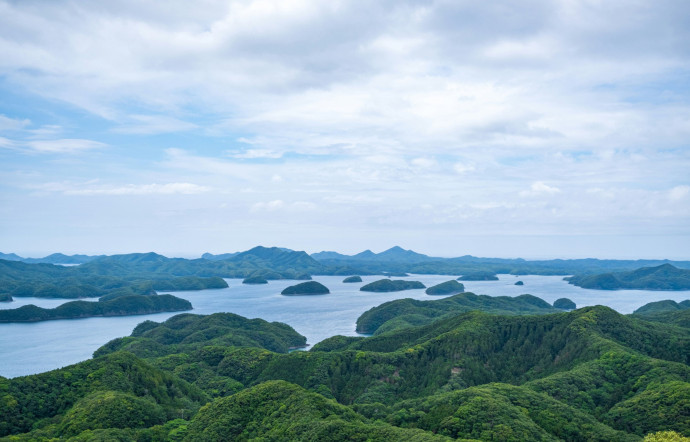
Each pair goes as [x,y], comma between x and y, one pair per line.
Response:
[407,312]
[589,374]
[106,281]
[119,306]
[663,277]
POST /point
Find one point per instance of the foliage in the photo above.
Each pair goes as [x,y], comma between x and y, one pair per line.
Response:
[254,280]
[412,312]
[451,287]
[111,409]
[187,333]
[278,410]
[391,285]
[663,277]
[306,288]
[662,307]
[479,276]
[28,400]
[665,436]
[351,279]
[564,304]
[120,306]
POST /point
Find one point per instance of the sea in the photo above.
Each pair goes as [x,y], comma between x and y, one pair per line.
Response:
[30,348]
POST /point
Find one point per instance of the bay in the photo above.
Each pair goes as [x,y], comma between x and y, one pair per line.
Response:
[29,348]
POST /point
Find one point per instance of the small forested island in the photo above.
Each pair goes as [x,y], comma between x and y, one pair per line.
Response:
[255,280]
[479,276]
[519,283]
[120,306]
[351,279]
[303,277]
[663,277]
[306,288]
[564,304]
[391,285]
[6,297]
[446,288]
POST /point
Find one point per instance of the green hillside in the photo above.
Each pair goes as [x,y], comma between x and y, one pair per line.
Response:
[589,374]
[663,277]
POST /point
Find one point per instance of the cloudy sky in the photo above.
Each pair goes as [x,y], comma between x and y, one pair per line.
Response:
[539,128]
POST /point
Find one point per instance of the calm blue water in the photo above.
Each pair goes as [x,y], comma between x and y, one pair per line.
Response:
[36,347]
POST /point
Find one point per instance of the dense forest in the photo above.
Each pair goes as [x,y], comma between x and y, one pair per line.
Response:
[589,374]
[663,277]
[120,306]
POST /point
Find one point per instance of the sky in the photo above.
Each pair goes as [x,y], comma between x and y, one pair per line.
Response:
[534,129]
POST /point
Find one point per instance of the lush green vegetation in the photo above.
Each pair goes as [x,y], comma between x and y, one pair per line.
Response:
[407,312]
[662,307]
[663,277]
[391,285]
[6,297]
[19,279]
[255,280]
[188,333]
[306,288]
[451,287]
[120,306]
[589,374]
[564,304]
[351,279]
[465,366]
[519,283]
[479,276]
[278,410]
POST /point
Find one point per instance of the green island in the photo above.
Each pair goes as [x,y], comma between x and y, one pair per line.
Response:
[589,374]
[352,279]
[120,306]
[663,277]
[451,287]
[564,304]
[255,280]
[479,276]
[391,285]
[519,283]
[94,279]
[306,288]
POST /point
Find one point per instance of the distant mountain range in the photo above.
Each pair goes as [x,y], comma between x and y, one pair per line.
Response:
[55,258]
[277,263]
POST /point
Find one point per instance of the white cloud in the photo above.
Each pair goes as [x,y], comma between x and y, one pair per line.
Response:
[269,205]
[68,146]
[540,188]
[92,188]
[256,154]
[153,124]
[7,123]
[462,168]
[424,163]
[276,205]
[395,108]
[679,192]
